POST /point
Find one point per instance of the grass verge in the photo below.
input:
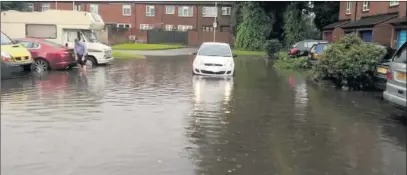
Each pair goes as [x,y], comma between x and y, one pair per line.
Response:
[136,46]
[124,55]
[248,53]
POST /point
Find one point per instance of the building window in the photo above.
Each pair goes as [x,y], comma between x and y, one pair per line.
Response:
[169,9]
[184,27]
[150,10]
[348,7]
[77,7]
[226,10]
[30,7]
[121,25]
[94,8]
[394,3]
[185,11]
[209,12]
[45,6]
[169,27]
[208,28]
[126,10]
[146,26]
[365,6]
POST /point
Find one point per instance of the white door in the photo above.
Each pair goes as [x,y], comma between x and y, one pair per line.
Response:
[70,36]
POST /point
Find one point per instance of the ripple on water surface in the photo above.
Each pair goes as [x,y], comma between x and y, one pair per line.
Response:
[152,116]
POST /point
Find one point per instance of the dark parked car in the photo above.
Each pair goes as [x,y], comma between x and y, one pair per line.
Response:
[48,55]
[302,48]
[316,50]
[380,76]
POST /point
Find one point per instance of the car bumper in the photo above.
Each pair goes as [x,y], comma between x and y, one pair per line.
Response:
[105,60]
[213,71]
[64,65]
[380,81]
[395,100]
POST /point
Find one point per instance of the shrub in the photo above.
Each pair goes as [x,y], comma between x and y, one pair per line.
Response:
[272,46]
[292,63]
[350,62]
[281,55]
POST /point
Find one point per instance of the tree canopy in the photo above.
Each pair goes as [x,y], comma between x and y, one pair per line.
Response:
[13,5]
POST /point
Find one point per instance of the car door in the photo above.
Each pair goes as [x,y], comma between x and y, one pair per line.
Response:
[397,84]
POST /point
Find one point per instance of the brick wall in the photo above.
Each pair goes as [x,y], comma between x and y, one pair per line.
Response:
[375,8]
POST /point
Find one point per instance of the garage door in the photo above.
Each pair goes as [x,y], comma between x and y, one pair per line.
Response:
[401,37]
[328,36]
[366,35]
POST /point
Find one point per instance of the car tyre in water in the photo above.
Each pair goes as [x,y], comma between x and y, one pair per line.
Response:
[90,61]
[40,65]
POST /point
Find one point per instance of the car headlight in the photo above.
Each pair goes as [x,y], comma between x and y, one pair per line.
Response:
[6,56]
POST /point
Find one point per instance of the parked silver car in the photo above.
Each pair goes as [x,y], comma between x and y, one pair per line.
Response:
[395,92]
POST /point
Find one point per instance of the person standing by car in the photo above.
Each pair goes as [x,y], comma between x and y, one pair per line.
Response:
[80,54]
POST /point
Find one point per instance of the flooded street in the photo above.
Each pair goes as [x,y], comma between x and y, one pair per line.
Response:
[152,117]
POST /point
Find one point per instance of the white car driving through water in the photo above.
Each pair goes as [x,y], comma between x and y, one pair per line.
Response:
[215,59]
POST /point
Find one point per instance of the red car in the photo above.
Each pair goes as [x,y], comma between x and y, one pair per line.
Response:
[48,55]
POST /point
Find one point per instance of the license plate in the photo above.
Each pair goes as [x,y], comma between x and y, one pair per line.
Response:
[401,76]
[382,70]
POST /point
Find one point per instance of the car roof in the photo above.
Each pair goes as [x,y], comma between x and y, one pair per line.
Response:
[215,43]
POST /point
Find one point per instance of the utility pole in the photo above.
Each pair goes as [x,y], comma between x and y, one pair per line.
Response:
[73,5]
[214,21]
[56,5]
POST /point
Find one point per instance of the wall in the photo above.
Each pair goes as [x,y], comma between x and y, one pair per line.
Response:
[375,8]
[193,39]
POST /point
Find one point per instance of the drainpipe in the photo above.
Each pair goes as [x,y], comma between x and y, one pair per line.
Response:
[56,5]
[356,11]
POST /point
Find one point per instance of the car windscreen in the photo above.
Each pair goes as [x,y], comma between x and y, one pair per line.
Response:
[320,48]
[53,44]
[5,40]
[215,50]
[400,57]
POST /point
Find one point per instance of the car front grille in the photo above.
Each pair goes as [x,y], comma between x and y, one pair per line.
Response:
[212,64]
[210,72]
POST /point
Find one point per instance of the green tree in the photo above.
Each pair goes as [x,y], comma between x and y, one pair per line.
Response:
[15,5]
[326,12]
[294,24]
[255,25]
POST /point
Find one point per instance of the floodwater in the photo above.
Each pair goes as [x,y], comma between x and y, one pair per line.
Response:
[152,117]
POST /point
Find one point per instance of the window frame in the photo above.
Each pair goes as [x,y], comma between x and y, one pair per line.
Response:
[365,6]
[30,7]
[394,3]
[348,7]
[92,8]
[150,26]
[77,7]
[47,5]
[205,10]
[166,10]
[226,14]
[148,12]
[126,7]
[169,27]
[190,10]
[189,27]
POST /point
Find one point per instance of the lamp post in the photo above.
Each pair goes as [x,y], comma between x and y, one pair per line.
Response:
[214,21]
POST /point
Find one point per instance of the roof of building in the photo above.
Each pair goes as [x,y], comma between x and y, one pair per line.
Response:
[186,2]
[399,21]
[370,20]
[336,24]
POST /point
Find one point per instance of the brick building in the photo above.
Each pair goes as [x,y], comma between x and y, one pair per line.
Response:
[194,18]
[383,22]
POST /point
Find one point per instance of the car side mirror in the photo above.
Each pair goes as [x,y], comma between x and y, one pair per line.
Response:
[234,55]
[194,53]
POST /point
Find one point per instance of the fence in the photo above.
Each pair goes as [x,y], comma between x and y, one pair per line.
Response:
[174,37]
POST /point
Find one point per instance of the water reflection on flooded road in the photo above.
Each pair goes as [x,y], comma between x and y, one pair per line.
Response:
[152,116]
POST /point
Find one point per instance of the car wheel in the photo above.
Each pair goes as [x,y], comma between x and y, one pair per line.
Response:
[40,65]
[90,61]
